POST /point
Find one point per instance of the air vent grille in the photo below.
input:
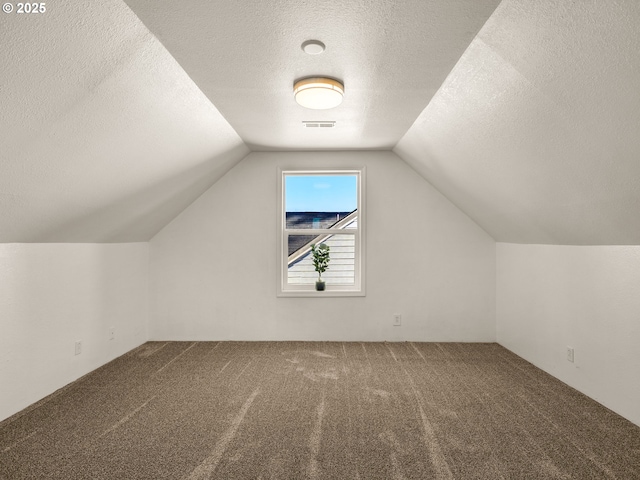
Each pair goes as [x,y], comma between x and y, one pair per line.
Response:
[318,123]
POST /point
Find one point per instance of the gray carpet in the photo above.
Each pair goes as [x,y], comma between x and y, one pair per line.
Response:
[295,410]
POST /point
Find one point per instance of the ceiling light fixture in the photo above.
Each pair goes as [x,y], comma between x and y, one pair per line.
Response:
[318,93]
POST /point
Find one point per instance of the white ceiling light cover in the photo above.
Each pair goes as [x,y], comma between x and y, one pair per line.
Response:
[318,93]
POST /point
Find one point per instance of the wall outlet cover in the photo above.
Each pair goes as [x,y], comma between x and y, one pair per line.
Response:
[570,354]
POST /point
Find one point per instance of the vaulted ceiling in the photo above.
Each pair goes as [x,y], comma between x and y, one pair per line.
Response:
[392,55]
[104,137]
[115,116]
[535,134]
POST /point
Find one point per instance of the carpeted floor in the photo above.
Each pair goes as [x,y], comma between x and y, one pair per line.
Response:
[296,410]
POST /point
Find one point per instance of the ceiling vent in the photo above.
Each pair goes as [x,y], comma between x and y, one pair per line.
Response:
[318,124]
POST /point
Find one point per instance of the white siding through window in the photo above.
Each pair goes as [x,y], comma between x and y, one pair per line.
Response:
[341,269]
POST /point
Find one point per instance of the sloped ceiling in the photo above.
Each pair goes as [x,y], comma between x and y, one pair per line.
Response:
[536,132]
[245,55]
[530,127]
[103,135]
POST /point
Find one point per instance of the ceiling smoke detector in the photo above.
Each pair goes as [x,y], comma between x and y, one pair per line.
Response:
[313,47]
[318,93]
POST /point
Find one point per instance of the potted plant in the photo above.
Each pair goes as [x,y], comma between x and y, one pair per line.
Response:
[320,262]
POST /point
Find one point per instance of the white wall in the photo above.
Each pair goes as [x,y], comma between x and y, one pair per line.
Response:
[551,297]
[54,294]
[213,269]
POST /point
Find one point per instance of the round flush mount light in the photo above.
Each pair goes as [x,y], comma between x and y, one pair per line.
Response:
[318,93]
[313,47]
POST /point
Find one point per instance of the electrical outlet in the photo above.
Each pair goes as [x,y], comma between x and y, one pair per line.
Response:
[397,320]
[112,333]
[570,354]
[78,347]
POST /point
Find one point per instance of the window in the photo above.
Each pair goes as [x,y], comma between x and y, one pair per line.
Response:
[321,207]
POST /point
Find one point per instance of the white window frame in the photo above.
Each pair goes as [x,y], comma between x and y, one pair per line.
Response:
[292,290]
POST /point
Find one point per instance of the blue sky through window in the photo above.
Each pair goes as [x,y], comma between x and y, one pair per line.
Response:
[321,193]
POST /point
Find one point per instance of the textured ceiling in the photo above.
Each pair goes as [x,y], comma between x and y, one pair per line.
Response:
[392,55]
[109,130]
[104,137]
[535,133]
